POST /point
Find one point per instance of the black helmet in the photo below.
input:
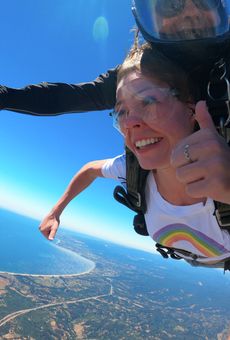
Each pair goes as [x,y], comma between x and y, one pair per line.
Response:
[192,32]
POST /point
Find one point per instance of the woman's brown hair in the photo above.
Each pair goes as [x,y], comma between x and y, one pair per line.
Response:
[153,65]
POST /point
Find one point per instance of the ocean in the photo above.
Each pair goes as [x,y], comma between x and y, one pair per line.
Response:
[24,250]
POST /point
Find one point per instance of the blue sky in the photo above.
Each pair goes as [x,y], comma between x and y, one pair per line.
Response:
[62,41]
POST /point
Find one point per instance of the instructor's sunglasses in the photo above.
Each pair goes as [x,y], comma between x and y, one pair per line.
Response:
[172,8]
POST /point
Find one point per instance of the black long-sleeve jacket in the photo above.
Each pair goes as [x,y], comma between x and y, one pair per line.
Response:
[59,98]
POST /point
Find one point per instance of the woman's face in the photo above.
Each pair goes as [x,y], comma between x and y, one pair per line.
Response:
[151,119]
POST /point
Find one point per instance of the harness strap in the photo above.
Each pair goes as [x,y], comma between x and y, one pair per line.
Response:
[167,252]
[140,225]
[134,198]
[122,197]
[222,214]
[136,179]
[218,97]
[218,101]
[227,265]
[170,251]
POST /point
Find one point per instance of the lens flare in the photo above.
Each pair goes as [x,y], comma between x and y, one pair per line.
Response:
[100,29]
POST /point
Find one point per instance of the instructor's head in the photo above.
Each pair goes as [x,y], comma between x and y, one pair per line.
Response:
[194,33]
[181,20]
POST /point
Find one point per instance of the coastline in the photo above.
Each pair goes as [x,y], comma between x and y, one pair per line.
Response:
[50,275]
[66,250]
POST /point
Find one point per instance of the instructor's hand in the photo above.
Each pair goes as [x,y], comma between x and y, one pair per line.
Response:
[207,172]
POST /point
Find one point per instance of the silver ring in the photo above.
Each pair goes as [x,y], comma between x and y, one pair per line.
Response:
[187,154]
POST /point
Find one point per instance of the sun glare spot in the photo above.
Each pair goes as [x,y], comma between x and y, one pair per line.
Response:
[100,29]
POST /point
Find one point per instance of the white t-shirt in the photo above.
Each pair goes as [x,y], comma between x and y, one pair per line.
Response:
[193,228]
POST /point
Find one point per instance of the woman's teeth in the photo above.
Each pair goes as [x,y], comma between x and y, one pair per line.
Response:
[141,143]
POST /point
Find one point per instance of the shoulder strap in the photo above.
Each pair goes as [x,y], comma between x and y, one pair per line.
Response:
[218,101]
[134,196]
[218,97]
[136,180]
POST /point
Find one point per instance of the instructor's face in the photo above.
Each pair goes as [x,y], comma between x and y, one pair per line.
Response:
[189,23]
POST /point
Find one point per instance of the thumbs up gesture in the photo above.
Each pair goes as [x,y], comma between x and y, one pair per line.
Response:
[202,160]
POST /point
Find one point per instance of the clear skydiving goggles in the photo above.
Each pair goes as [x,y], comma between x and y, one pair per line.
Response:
[150,107]
[149,15]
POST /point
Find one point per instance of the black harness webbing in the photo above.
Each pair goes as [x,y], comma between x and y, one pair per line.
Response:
[222,214]
[218,97]
[134,196]
[218,102]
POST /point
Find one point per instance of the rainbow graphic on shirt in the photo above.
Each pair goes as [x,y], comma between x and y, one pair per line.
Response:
[171,234]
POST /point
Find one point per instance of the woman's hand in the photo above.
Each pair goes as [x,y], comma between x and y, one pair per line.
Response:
[49,226]
[202,160]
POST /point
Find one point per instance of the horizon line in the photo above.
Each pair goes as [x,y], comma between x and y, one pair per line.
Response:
[74,229]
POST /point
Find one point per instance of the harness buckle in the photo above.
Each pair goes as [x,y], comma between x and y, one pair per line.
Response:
[136,196]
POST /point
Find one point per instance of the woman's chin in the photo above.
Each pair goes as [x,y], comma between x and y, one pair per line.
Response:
[151,164]
[146,165]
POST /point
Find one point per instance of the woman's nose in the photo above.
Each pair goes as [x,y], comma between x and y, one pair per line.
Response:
[191,10]
[132,121]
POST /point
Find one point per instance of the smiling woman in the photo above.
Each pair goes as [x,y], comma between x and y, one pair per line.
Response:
[155,111]
[153,94]
[57,48]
